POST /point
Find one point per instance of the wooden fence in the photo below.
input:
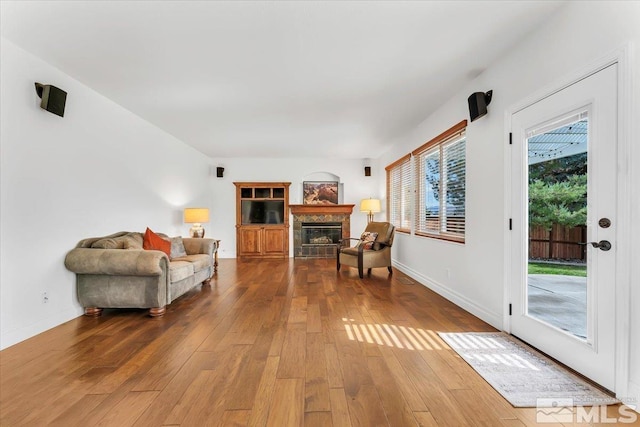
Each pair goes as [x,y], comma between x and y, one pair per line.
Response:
[559,243]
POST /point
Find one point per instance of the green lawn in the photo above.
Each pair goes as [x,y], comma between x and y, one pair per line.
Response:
[565,270]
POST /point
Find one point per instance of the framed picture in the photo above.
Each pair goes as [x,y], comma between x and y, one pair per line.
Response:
[320,192]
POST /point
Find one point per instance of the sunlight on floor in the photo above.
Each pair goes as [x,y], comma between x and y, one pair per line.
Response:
[392,335]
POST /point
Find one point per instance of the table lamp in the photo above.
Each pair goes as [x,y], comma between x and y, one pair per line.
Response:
[370,206]
[196,216]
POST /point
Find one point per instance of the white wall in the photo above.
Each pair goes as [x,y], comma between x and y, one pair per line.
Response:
[580,33]
[98,170]
[355,186]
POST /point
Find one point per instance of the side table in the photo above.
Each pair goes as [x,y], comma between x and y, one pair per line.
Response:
[215,256]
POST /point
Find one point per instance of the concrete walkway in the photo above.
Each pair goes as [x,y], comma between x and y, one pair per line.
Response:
[560,301]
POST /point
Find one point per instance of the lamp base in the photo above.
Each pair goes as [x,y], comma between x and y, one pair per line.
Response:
[370,217]
[197,231]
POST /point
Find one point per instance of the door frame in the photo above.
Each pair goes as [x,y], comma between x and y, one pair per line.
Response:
[620,56]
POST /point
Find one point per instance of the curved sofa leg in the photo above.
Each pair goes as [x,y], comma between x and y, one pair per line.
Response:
[390,269]
[157,311]
[207,281]
[92,311]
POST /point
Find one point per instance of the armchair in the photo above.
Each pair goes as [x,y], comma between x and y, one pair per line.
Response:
[371,251]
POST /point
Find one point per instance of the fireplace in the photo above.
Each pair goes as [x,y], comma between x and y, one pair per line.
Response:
[321,233]
[317,229]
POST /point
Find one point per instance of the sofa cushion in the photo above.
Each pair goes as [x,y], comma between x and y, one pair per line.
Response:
[179,270]
[152,241]
[199,261]
[177,248]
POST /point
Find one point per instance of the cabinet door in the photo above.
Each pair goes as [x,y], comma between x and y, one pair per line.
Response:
[250,241]
[275,241]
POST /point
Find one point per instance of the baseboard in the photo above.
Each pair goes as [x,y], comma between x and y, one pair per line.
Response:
[494,319]
[9,338]
[632,399]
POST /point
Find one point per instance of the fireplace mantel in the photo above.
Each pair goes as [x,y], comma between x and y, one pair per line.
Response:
[321,209]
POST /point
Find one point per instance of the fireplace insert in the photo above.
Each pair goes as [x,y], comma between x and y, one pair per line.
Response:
[321,233]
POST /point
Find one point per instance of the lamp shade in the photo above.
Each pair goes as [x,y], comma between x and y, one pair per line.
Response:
[196,215]
[370,205]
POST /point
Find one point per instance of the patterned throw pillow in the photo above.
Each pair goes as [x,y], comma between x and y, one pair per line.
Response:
[154,242]
[177,248]
[368,238]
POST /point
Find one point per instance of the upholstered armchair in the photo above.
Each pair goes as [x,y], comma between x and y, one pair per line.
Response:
[372,250]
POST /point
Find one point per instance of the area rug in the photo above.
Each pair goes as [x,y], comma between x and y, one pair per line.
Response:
[522,375]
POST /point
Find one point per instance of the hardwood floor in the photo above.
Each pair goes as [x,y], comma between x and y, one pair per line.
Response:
[275,343]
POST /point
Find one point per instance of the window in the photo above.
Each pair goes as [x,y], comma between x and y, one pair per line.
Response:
[399,193]
[436,174]
[440,183]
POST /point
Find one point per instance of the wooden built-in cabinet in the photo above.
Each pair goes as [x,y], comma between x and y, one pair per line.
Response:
[262,219]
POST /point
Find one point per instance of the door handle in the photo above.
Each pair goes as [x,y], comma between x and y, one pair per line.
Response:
[603,245]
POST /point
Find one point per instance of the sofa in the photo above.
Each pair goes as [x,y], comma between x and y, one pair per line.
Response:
[116,271]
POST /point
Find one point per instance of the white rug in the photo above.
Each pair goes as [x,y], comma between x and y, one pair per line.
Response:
[520,374]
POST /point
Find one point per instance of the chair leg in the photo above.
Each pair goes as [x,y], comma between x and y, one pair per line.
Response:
[369,272]
[360,265]
[360,272]
[390,270]
[338,260]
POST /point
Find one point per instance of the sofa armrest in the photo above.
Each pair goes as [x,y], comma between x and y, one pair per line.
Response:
[195,246]
[120,262]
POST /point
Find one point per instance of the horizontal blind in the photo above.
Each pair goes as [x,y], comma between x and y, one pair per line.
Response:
[428,199]
[441,185]
[399,181]
[454,187]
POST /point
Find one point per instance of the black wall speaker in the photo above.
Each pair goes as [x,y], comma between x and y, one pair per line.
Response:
[220,172]
[478,102]
[53,99]
[367,171]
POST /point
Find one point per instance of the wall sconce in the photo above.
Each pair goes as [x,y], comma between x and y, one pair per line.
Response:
[478,102]
[220,172]
[196,216]
[370,206]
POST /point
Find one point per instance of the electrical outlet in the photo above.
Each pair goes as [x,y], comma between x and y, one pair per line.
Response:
[45,298]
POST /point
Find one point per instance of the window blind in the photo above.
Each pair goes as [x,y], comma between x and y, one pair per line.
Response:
[428,173]
[440,181]
[454,187]
[399,193]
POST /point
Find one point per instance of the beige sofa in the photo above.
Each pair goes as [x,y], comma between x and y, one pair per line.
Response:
[116,272]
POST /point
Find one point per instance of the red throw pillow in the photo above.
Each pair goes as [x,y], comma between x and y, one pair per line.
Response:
[152,241]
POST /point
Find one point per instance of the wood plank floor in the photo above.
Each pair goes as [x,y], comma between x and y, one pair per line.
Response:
[269,343]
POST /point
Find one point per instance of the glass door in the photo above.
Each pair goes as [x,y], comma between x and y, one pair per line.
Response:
[562,282]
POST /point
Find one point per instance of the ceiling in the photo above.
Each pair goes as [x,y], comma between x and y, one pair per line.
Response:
[275,79]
